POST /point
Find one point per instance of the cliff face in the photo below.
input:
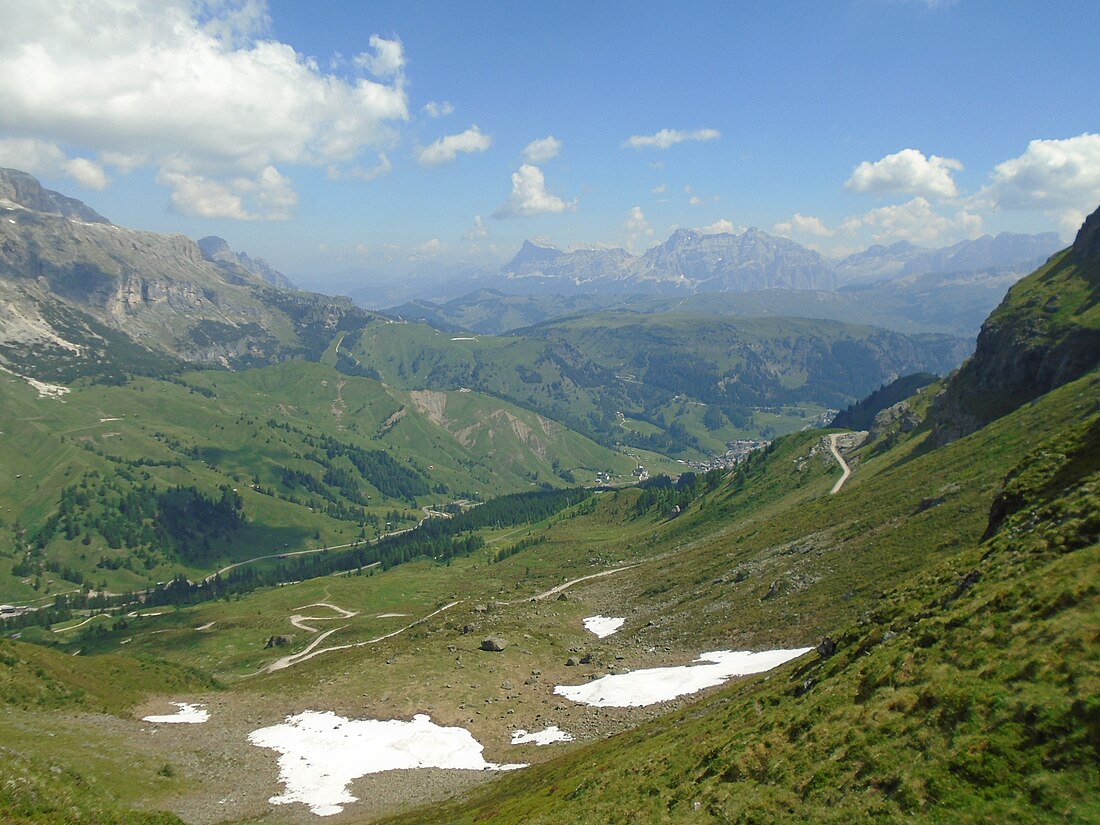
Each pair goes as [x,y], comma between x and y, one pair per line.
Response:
[1044,334]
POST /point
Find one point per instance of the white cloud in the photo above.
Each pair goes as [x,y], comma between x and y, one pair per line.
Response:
[660,190]
[446,149]
[1053,175]
[387,59]
[529,195]
[915,221]
[669,137]
[43,158]
[379,170]
[800,224]
[542,149]
[478,231]
[637,227]
[188,89]
[695,200]
[720,227]
[268,196]
[437,109]
[907,172]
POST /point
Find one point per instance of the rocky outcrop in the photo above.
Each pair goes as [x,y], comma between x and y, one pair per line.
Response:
[1044,334]
[25,190]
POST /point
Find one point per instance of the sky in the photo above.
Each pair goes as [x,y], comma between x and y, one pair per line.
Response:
[384,137]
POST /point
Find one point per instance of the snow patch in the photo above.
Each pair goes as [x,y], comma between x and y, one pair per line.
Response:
[602,626]
[661,684]
[321,753]
[547,736]
[187,715]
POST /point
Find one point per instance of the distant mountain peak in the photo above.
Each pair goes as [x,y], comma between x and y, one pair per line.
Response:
[217,250]
[25,190]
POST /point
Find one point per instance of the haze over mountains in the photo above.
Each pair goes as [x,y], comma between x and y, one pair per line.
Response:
[905,287]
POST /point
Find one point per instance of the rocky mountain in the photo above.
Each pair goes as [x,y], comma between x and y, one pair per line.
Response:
[80,296]
[1044,334]
[725,262]
[687,262]
[1007,252]
[24,190]
[217,250]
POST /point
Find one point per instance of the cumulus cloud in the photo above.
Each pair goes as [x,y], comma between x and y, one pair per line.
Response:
[800,224]
[723,226]
[478,231]
[542,149]
[191,90]
[637,227]
[271,194]
[43,158]
[437,109]
[907,172]
[386,60]
[1051,174]
[446,149]
[529,196]
[915,221]
[669,137]
[660,190]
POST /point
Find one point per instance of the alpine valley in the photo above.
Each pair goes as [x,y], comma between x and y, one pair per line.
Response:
[586,539]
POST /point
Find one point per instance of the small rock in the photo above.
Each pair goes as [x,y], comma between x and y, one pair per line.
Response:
[572,661]
[827,648]
[494,644]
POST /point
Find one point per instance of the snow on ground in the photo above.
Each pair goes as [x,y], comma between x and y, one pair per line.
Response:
[660,684]
[547,736]
[187,714]
[602,626]
[321,753]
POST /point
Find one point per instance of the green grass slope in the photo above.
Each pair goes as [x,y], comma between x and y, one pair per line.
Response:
[967,692]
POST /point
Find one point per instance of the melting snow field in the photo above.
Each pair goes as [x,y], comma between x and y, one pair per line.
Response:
[602,626]
[321,753]
[187,714]
[547,736]
[660,684]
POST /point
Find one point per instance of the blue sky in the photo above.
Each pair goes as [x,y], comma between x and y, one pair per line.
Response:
[335,136]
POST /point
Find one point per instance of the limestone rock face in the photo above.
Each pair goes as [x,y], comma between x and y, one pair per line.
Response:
[1043,335]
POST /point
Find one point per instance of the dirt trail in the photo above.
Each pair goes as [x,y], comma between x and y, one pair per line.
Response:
[299,621]
[311,651]
[555,590]
[840,460]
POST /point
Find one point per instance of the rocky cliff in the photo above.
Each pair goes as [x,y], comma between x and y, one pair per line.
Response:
[1044,334]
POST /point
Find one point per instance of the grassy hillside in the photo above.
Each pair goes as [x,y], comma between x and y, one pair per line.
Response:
[89,482]
[967,691]
[679,384]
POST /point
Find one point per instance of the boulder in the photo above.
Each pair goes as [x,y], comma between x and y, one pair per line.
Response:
[494,644]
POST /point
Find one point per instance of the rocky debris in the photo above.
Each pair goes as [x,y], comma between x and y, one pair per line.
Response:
[494,644]
[572,661]
[278,641]
[827,647]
